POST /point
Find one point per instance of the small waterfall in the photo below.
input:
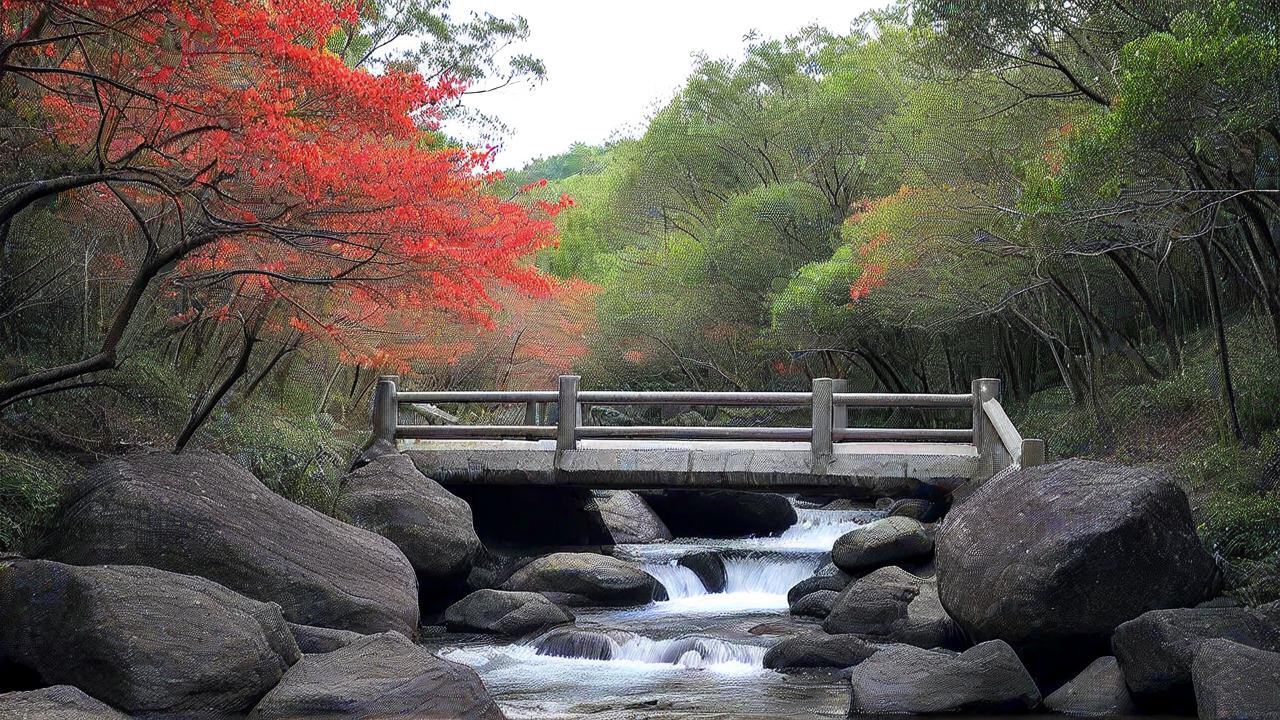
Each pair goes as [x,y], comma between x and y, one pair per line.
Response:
[680,581]
[766,575]
[690,651]
[821,528]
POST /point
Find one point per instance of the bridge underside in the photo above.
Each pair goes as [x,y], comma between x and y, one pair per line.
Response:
[853,469]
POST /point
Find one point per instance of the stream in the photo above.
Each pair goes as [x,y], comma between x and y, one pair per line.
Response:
[696,655]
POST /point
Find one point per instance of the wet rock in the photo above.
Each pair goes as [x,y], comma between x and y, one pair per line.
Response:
[906,679]
[142,640]
[384,675]
[1235,681]
[221,523]
[629,518]
[893,606]
[721,513]
[1156,650]
[926,511]
[836,582]
[1052,558]
[569,642]
[815,604]
[60,702]
[818,650]
[883,542]
[312,639]
[708,566]
[575,579]
[502,612]
[1098,691]
[430,525]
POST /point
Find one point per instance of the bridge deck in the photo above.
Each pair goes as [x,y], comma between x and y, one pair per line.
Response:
[873,467]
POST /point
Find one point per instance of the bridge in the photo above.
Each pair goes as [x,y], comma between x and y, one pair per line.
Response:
[563,448]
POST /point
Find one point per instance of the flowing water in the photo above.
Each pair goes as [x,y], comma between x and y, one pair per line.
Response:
[698,654]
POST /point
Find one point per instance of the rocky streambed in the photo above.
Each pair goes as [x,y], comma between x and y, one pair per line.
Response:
[180,586]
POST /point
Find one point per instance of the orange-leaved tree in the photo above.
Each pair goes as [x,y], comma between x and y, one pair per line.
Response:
[257,177]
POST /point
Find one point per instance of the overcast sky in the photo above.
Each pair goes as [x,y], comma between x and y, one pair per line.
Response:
[610,62]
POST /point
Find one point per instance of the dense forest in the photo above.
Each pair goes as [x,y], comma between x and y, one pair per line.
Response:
[1081,199]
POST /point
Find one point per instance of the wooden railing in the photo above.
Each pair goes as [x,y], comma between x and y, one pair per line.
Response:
[997,440]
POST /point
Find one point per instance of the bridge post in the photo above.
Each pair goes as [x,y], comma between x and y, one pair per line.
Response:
[386,410]
[984,433]
[570,413]
[820,442]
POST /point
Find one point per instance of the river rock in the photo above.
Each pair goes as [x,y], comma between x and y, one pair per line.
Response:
[1052,558]
[815,604]
[925,511]
[312,639]
[1098,691]
[883,542]
[585,579]
[570,642]
[383,675]
[1157,649]
[893,606]
[708,566]
[906,679]
[1236,681]
[141,639]
[60,702]
[200,513]
[721,513]
[816,583]
[629,518]
[818,650]
[503,612]
[430,525]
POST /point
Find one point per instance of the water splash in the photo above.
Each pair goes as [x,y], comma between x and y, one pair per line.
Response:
[680,581]
[820,529]
[689,651]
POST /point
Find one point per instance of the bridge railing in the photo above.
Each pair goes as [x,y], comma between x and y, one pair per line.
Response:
[997,440]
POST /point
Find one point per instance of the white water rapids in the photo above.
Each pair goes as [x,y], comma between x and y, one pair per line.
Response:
[696,653]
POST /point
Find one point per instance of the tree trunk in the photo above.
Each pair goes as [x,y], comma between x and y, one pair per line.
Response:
[1220,335]
[200,413]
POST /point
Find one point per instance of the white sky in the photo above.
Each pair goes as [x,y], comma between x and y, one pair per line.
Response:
[610,62]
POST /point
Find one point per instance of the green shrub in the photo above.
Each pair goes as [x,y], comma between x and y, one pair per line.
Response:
[30,486]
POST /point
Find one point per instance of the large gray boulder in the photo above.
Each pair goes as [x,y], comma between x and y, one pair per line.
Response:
[60,702]
[708,566]
[1052,558]
[1156,650]
[312,639]
[629,518]
[893,606]
[576,579]
[503,612]
[721,513]
[834,582]
[818,650]
[430,525]
[200,513]
[1098,691]
[380,676]
[906,679]
[816,604]
[141,639]
[887,541]
[1236,681]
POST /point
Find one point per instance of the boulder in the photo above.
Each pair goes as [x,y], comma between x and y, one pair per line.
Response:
[1098,691]
[815,604]
[585,579]
[721,513]
[60,702]
[312,639]
[629,518]
[503,612]
[906,679]
[430,525]
[383,675]
[1052,558]
[837,582]
[1156,650]
[926,511]
[200,513]
[708,566]
[570,642]
[893,606]
[1236,681]
[883,542]
[141,639]
[818,650]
